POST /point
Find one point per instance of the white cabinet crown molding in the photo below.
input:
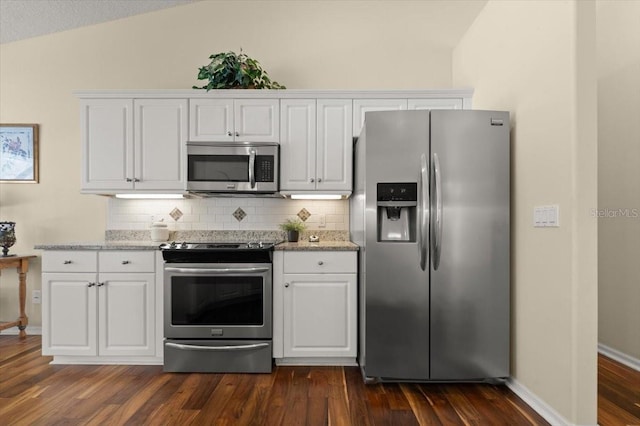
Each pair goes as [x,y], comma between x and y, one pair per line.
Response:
[465,93]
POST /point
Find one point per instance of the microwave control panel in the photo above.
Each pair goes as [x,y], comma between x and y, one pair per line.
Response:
[264,168]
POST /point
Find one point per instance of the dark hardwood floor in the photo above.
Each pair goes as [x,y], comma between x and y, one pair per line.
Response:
[618,393]
[32,392]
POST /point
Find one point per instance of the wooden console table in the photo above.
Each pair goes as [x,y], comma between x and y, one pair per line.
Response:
[21,263]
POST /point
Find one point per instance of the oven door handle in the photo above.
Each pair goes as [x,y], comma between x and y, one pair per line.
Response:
[217,348]
[215,270]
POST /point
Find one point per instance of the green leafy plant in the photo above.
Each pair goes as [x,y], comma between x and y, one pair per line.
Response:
[228,70]
[293,225]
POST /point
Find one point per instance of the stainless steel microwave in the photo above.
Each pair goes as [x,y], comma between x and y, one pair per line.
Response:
[242,167]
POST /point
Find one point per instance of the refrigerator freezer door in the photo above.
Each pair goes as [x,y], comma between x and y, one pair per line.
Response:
[470,288]
[395,293]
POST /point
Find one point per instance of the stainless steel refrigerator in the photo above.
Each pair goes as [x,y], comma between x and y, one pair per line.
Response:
[430,210]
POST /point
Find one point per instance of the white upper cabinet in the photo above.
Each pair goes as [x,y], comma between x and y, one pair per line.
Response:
[107,144]
[316,145]
[446,103]
[160,144]
[297,144]
[136,141]
[362,106]
[334,145]
[134,145]
[230,120]
[211,120]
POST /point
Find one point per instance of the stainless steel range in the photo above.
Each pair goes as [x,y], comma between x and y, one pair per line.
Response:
[218,302]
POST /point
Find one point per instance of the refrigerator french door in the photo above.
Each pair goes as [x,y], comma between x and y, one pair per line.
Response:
[431,211]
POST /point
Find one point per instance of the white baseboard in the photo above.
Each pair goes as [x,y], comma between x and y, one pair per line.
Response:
[13,331]
[620,357]
[535,402]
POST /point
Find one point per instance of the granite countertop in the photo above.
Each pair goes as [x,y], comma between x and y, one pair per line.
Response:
[319,246]
[101,245]
[139,240]
[144,245]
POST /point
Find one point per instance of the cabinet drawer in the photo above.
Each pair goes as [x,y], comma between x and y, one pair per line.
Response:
[127,261]
[320,262]
[70,261]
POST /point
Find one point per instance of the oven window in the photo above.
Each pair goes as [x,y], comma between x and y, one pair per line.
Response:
[219,168]
[217,301]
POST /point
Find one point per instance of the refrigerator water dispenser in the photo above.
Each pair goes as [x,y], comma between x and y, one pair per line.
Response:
[397,203]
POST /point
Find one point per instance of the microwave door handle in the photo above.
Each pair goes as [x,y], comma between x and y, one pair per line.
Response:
[252,167]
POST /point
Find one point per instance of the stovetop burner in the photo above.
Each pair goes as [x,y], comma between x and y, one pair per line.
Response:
[217,252]
[216,246]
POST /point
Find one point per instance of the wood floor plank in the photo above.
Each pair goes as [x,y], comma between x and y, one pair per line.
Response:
[33,392]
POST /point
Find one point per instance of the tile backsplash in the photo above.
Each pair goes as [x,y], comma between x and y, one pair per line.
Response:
[226,213]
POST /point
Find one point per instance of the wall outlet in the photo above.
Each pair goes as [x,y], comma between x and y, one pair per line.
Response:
[323,221]
[36,297]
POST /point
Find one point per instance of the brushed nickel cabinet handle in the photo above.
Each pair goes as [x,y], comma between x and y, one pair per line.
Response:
[125,262]
[286,285]
[68,262]
[320,262]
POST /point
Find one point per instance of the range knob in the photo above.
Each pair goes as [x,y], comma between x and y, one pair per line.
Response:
[173,245]
[183,245]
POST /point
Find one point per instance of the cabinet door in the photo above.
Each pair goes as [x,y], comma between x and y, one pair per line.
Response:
[211,120]
[69,314]
[107,144]
[334,149]
[160,144]
[126,309]
[451,103]
[297,144]
[257,120]
[361,106]
[320,315]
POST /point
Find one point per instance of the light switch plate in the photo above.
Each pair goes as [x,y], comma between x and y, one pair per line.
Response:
[546,216]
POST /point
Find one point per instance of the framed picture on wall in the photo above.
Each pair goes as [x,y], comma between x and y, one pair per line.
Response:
[19,153]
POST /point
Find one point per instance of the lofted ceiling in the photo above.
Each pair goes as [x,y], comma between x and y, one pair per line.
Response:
[445,23]
[21,19]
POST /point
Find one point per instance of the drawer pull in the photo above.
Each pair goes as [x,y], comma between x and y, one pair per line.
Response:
[100,284]
[67,262]
[125,262]
[320,262]
[91,284]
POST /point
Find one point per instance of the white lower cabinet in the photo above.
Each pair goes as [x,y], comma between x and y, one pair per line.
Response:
[100,306]
[318,307]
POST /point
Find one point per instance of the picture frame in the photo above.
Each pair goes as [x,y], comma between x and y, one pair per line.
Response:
[19,153]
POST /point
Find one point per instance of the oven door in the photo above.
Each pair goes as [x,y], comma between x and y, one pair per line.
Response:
[232,168]
[218,301]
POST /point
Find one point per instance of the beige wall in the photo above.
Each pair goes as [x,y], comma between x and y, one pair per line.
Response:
[618,26]
[537,60]
[315,45]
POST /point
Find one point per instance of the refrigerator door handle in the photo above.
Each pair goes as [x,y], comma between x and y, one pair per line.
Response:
[423,221]
[437,238]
